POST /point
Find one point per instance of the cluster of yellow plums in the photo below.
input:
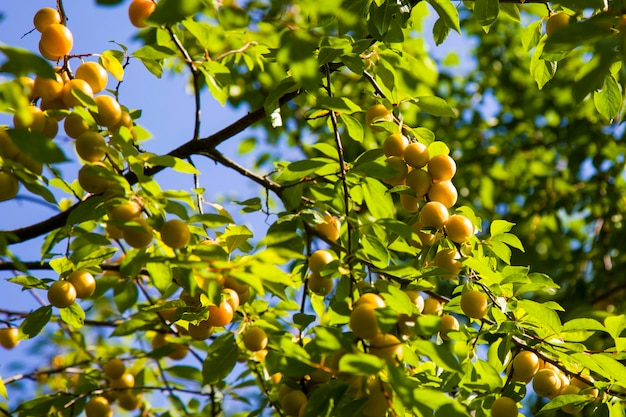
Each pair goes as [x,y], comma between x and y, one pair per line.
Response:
[78,284]
[126,221]
[428,190]
[120,383]
[52,97]
[547,381]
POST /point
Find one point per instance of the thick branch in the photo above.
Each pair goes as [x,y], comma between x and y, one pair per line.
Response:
[192,147]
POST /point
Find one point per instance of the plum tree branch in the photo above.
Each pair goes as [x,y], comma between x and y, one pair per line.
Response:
[189,148]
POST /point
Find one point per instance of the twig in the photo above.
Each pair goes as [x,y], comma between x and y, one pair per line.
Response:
[195,79]
[342,175]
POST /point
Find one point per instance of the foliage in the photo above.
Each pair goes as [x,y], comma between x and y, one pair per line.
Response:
[532,127]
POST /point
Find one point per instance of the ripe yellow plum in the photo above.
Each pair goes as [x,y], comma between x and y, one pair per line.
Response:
[75,84]
[386,346]
[74,126]
[139,11]
[61,294]
[420,181]
[83,282]
[220,316]
[139,235]
[395,145]
[98,407]
[546,383]
[91,146]
[416,155]
[372,299]
[57,40]
[319,284]
[448,323]
[432,306]
[441,167]
[109,111]
[425,238]
[9,337]
[94,74]
[255,339]
[525,365]
[175,233]
[445,192]
[474,304]
[459,228]
[330,227]
[114,368]
[48,88]
[434,214]
[401,169]
[448,259]
[320,259]
[91,182]
[504,407]
[377,113]
[363,322]
[9,185]
[556,21]
[46,17]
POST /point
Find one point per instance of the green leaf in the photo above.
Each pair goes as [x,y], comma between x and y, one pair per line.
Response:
[360,364]
[169,12]
[28,281]
[285,86]
[22,62]
[540,315]
[177,164]
[298,170]
[510,239]
[111,63]
[512,11]
[236,237]
[440,31]
[435,106]
[154,52]
[378,201]
[73,315]
[579,330]
[232,16]
[562,400]
[3,390]
[36,321]
[39,147]
[531,35]
[486,11]
[399,301]
[499,227]
[501,250]
[131,326]
[220,360]
[190,373]
[125,295]
[160,274]
[608,100]
[541,70]
[615,325]
[448,12]
[584,32]
[338,104]
[438,354]
[201,31]
[483,377]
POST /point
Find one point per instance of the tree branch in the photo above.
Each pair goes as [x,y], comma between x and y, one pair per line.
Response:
[192,147]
